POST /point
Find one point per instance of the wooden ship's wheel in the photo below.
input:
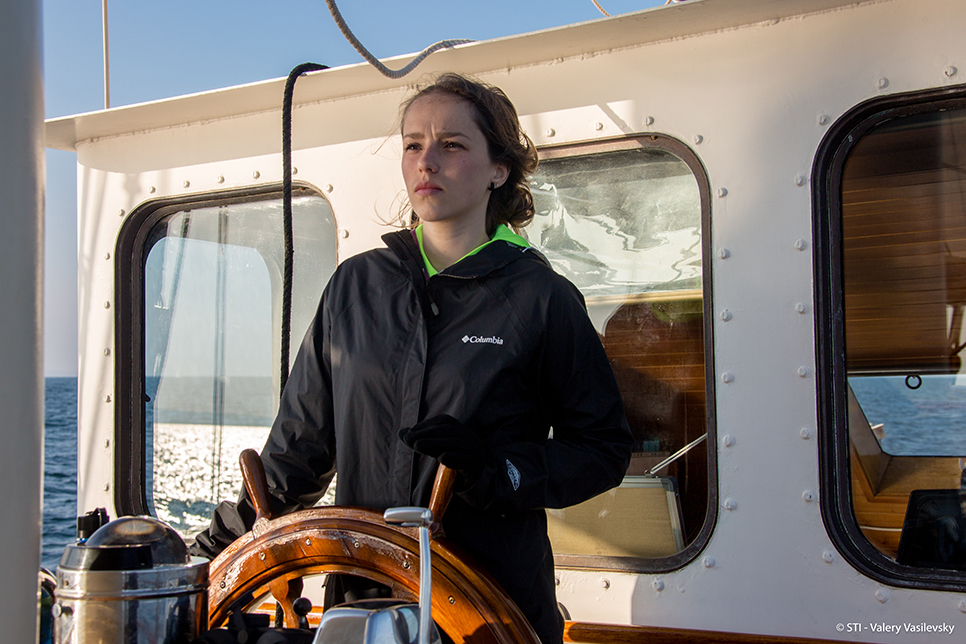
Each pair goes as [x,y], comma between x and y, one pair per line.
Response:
[467,603]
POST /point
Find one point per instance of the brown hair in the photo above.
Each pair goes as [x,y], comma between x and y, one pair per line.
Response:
[510,203]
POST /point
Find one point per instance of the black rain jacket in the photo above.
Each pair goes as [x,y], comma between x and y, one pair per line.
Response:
[497,340]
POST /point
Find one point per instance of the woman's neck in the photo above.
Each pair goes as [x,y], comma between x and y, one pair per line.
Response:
[447,242]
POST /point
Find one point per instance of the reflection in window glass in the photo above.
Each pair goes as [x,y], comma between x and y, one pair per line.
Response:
[212,298]
[622,223]
[904,273]
[625,227]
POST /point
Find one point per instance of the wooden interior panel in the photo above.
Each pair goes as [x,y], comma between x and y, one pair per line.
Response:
[657,351]
[904,243]
[881,509]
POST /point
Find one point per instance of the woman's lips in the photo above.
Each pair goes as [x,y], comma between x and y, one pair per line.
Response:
[425,189]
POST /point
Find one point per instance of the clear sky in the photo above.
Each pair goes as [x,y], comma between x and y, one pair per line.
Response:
[163,49]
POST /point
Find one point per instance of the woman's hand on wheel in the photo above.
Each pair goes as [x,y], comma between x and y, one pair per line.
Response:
[450,442]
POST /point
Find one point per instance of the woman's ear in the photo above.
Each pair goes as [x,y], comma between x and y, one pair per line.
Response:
[500,174]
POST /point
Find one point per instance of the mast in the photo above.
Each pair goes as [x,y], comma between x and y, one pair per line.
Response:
[21,279]
[107,57]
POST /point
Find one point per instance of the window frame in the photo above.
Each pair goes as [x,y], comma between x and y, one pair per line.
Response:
[130,256]
[684,153]
[832,396]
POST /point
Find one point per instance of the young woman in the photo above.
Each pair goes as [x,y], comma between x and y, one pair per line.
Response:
[456,344]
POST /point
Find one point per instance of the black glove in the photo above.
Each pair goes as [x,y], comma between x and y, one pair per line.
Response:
[450,442]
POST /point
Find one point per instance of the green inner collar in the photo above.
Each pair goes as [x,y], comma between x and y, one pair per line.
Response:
[502,233]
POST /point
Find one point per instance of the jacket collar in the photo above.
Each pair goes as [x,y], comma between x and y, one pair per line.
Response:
[490,258]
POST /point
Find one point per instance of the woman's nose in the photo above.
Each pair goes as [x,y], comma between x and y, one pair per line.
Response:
[429,159]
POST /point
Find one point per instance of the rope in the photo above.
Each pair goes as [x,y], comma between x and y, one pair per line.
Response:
[375,62]
[286,323]
[597,4]
[287,215]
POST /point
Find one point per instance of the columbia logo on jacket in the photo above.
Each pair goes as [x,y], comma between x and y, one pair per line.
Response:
[476,339]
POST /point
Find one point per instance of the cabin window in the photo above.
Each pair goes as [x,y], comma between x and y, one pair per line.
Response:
[898,244]
[626,221]
[211,280]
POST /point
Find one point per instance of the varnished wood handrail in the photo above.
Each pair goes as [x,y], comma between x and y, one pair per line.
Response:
[590,633]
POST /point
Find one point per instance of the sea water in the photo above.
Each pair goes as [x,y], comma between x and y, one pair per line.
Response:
[179,462]
[60,468]
[920,415]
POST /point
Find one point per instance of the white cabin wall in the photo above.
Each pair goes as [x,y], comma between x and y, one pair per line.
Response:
[758,115]
[761,98]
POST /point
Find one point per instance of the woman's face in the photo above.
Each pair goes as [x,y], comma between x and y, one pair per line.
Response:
[446,164]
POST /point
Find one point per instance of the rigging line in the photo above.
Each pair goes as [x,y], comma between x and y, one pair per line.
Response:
[597,4]
[286,323]
[375,62]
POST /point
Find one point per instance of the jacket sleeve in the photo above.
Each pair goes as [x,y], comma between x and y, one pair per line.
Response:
[590,447]
[299,455]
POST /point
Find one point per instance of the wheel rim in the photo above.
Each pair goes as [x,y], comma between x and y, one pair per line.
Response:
[467,603]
